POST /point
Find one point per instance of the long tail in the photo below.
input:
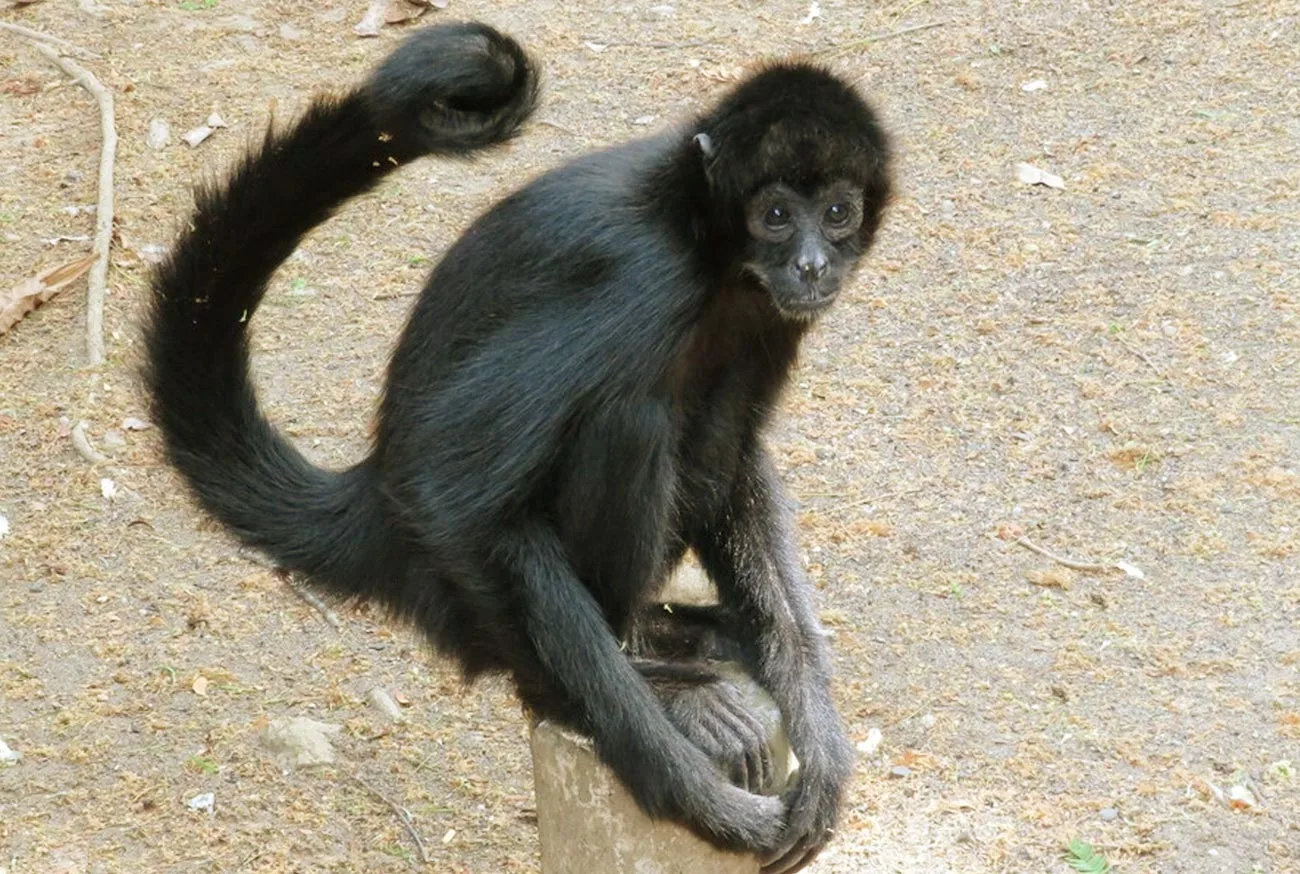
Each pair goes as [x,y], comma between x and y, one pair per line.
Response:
[447,90]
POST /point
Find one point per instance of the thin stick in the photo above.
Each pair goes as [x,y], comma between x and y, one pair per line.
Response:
[104,210]
[402,814]
[1140,354]
[311,599]
[1088,567]
[836,51]
[38,36]
[84,447]
[869,499]
[637,44]
[394,295]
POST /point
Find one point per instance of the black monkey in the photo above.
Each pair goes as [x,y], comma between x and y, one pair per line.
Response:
[576,400]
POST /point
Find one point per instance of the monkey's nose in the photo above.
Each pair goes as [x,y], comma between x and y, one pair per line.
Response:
[811,268]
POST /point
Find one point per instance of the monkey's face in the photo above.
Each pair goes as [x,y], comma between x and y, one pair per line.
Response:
[801,246]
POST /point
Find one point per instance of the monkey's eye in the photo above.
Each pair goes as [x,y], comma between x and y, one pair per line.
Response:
[837,213]
[776,217]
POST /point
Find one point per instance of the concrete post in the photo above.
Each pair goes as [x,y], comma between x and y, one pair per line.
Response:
[590,824]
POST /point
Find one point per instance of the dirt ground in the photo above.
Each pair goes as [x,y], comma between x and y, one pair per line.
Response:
[1111,370]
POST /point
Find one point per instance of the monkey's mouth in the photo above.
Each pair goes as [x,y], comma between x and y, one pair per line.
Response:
[809,305]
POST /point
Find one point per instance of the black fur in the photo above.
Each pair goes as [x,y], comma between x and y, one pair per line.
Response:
[576,400]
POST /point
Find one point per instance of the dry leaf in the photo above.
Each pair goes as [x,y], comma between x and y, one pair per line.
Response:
[373,19]
[1241,798]
[197,135]
[24,87]
[36,290]
[1052,578]
[722,73]
[872,743]
[1131,570]
[916,761]
[1010,531]
[381,12]
[1031,175]
[402,11]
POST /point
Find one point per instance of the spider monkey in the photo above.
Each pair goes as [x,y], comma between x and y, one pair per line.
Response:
[576,400]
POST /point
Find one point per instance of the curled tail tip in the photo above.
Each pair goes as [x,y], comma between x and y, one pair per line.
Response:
[454,88]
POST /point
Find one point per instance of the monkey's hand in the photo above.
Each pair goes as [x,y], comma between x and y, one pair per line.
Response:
[813,804]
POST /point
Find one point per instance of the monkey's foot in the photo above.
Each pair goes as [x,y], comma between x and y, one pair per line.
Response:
[737,725]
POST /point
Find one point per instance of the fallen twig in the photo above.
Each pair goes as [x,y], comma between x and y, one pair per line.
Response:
[559,127]
[1088,567]
[104,210]
[402,814]
[1140,354]
[39,36]
[311,599]
[1085,566]
[845,48]
[638,44]
[84,447]
[869,499]
[393,295]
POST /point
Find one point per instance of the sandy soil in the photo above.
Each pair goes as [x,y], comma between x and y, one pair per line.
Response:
[1111,370]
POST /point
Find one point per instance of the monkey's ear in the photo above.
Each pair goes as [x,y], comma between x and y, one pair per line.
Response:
[704,143]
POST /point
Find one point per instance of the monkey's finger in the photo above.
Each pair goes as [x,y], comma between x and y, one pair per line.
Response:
[710,735]
[754,740]
[797,857]
[749,735]
[724,742]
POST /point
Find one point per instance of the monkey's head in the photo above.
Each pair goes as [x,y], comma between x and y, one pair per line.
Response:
[798,172]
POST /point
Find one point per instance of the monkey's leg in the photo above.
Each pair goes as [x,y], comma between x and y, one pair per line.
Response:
[749,551]
[688,657]
[575,649]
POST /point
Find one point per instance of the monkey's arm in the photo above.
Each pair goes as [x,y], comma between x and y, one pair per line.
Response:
[750,553]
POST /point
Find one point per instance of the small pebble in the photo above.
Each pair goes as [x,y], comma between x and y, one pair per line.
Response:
[160,134]
[900,771]
[1109,814]
[384,703]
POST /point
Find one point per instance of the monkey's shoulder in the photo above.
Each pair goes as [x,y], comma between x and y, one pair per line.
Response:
[590,229]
